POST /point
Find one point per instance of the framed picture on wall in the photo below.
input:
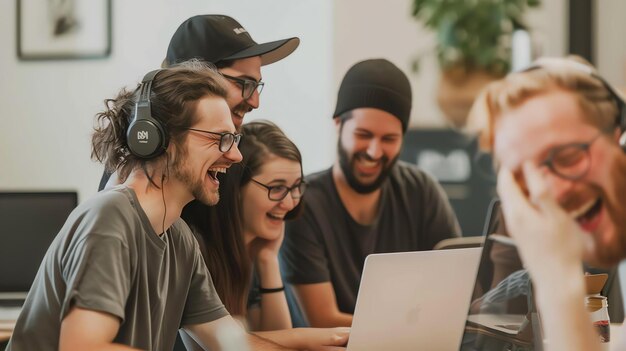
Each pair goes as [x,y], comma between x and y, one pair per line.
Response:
[63,29]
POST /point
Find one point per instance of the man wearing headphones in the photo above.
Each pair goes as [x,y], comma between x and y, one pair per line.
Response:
[557,132]
[222,41]
[125,271]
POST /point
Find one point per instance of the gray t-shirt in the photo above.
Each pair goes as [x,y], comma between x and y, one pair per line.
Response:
[108,258]
[327,244]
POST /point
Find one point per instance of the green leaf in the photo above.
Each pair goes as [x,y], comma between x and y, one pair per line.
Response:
[475,33]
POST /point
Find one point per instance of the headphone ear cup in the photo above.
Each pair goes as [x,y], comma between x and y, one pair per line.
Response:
[146,139]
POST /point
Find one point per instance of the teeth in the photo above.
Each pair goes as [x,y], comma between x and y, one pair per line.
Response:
[582,209]
[368,163]
[276,216]
[218,169]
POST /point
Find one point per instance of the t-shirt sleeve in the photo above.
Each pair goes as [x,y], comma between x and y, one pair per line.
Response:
[304,257]
[440,221]
[203,304]
[97,275]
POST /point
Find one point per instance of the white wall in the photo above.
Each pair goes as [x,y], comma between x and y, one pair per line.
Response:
[47,108]
[610,48]
[371,29]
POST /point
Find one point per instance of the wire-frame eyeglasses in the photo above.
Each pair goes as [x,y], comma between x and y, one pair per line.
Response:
[226,139]
[570,161]
[279,192]
[248,86]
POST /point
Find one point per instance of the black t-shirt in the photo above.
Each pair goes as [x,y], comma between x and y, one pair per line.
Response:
[327,244]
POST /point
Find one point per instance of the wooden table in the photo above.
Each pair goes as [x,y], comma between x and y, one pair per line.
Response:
[6,329]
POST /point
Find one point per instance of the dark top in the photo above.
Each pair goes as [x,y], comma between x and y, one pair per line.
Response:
[327,244]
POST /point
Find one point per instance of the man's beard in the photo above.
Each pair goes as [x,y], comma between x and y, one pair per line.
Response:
[609,251]
[347,167]
[196,186]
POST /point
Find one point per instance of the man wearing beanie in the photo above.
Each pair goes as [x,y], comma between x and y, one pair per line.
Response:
[367,202]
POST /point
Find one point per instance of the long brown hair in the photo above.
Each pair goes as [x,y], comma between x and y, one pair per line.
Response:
[174,94]
[219,228]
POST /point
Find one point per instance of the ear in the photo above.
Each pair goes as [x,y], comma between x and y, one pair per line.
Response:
[168,157]
[337,121]
[171,149]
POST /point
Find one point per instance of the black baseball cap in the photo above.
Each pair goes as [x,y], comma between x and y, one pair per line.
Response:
[215,38]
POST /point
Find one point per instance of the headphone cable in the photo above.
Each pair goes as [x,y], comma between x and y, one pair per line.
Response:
[167,169]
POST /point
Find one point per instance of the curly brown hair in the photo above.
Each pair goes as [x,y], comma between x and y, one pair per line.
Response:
[174,95]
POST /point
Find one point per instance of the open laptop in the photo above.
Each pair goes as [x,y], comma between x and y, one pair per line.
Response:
[413,300]
[29,222]
[502,314]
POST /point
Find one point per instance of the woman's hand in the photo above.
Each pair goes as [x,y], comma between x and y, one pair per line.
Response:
[274,311]
[310,339]
[325,339]
[263,250]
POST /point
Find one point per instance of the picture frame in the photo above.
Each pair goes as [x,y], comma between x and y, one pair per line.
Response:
[63,29]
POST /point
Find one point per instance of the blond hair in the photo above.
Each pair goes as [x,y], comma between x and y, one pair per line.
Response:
[572,74]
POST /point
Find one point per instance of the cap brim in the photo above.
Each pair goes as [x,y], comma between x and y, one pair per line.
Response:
[269,52]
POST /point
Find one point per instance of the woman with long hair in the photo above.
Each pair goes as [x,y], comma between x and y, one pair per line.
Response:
[240,237]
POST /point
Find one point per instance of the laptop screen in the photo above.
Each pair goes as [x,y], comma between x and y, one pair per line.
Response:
[501,313]
[29,222]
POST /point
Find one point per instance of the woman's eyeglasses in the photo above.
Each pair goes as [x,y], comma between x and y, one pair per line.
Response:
[248,86]
[226,140]
[279,192]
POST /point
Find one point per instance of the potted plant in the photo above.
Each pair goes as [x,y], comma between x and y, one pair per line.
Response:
[473,45]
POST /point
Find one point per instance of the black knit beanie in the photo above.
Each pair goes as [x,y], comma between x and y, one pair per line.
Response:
[376,83]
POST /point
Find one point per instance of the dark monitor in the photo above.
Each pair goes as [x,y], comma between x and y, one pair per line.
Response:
[29,221]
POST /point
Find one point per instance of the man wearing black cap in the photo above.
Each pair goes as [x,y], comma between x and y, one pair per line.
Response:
[221,40]
[224,42]
[367,202]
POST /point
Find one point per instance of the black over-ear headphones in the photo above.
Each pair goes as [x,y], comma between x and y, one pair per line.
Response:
[146,138]
[620,119]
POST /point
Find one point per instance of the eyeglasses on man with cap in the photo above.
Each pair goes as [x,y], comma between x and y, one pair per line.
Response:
[248,86]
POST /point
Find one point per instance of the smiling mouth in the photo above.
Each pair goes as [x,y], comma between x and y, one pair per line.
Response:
[369,163]
[275,217]
[212,173]
[587,213]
